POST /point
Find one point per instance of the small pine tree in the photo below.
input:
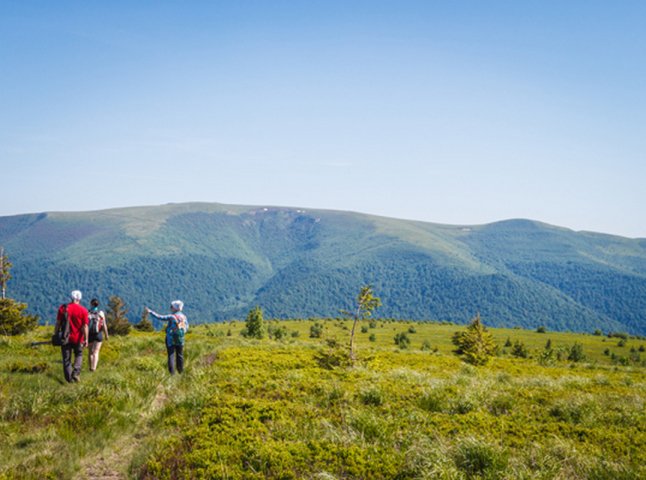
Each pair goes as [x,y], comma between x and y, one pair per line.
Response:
[476,343]
[13,321]
[116,319]
[576,353]
[519,350]
[255,326]
[366,304]
[145,325]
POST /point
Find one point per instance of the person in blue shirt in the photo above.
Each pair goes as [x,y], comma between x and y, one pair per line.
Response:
[176,328]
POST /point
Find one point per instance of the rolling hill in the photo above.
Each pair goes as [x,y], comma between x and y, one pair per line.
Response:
[224,259]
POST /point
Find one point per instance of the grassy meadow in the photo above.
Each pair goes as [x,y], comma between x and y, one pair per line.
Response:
[283,408]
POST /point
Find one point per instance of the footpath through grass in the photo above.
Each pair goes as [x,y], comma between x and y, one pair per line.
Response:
[268,409]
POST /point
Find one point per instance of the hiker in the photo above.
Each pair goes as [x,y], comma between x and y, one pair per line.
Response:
[77,318]
[176,327]
[98,332]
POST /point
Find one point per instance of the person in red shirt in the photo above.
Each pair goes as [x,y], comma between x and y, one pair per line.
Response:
[77,316]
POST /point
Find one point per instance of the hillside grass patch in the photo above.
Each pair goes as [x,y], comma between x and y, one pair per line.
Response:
[267,409]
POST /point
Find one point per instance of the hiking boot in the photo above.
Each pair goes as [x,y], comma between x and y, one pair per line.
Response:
[76,378]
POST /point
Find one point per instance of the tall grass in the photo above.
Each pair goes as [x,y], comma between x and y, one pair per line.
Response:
[268,409]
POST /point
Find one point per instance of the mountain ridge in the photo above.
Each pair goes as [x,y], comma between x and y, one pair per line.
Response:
[297,262]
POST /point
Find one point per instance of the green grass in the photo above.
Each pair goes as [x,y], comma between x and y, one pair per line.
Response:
[266,409]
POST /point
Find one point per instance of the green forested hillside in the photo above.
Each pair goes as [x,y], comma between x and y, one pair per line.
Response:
[222,260]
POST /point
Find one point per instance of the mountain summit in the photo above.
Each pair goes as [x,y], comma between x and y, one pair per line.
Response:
[224,259]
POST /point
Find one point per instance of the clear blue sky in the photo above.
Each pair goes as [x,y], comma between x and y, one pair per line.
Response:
[459,112]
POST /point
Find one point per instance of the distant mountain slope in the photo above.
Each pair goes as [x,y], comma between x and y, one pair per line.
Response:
[224,259]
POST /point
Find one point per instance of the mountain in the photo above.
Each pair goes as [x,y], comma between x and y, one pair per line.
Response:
[223,259]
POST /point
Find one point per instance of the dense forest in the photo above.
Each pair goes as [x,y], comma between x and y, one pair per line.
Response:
[223,260]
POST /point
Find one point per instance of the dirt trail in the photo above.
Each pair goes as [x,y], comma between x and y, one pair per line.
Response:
[112,463]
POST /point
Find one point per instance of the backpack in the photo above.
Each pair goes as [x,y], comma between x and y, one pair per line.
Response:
[179,330]
[62,331]
[95,320]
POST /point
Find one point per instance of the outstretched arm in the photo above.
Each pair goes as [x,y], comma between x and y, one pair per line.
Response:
[158,316]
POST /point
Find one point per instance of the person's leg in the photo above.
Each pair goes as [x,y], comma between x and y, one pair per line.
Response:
[78,361]
[95,347]
[66,352]
[170,349]
[96,353]
[179,352]
[91,347]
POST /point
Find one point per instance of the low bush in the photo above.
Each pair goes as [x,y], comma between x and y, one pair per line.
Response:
[479,459]
[402,340]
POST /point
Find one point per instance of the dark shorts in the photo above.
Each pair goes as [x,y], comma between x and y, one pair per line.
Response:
[95,337]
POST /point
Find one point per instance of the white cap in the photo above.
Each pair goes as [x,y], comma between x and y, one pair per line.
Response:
[76,295]
[177,305]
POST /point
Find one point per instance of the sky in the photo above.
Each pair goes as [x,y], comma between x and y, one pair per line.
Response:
[456,112]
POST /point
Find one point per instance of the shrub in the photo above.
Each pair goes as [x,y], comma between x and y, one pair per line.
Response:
[426,346]
[478,459]
[277,333]
[334,356]
[372,337]
[463,405]
[412,330]
[476,343]
[541,329]
[597,332]
[519,350]
[372,396]
[316,330]
[364,329]
[622,335]
[255,325]
[402,340]
[576,353]
[116,319]
[13,321]
[145,325]
[546,357]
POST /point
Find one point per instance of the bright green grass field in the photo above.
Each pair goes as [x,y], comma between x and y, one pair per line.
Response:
[247,409]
